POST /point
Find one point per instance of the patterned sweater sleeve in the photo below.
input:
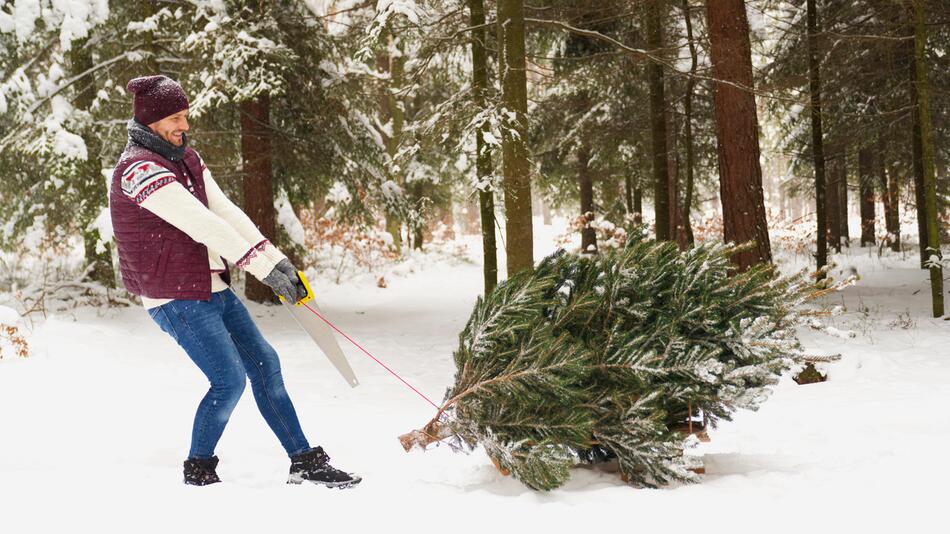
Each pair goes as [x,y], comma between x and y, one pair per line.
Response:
[220,204]
[155,188]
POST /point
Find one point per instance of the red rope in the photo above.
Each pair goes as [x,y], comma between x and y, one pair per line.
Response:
[366,352]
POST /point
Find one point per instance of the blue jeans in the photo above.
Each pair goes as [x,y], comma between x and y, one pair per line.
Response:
[223,341]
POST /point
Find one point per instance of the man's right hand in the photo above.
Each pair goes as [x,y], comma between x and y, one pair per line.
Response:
[288,268]
[284,286]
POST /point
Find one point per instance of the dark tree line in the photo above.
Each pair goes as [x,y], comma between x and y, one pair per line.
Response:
[593,107]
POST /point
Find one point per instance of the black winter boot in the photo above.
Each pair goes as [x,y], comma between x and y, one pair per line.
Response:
[314,466]
[200,471]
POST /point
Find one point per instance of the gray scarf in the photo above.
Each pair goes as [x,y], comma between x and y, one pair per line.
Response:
[143,136]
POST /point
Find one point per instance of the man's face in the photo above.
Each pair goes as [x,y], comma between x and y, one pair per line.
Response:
[172,127]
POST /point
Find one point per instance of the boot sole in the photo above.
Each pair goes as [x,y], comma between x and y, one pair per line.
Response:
[190,483]
[297,479]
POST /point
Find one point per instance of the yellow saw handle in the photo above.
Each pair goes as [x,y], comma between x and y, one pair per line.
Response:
[306,284]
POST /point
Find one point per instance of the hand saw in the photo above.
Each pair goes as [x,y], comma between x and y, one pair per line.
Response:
[319,332]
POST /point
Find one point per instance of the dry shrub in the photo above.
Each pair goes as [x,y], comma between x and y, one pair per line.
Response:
[708,227]
[333,243]
[609,235]
[14,340]
[795,237]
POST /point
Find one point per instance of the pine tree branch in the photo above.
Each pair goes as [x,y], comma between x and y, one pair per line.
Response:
[656,59]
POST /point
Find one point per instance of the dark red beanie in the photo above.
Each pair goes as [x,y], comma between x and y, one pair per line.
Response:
[156,97]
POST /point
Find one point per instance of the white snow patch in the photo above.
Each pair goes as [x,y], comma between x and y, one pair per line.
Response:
[288,219]
[339,193]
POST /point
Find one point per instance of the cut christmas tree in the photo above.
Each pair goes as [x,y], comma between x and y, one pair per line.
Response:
[613,356]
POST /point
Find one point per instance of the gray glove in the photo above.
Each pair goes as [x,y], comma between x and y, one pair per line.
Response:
[288,268]
[290,272]
[283,286]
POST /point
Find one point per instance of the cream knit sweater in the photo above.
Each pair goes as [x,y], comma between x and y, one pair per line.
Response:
[223,227]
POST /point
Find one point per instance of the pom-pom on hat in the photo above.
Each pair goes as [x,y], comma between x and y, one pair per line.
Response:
[156,97]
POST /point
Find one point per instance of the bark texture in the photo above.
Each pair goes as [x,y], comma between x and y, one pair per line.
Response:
[661,171]
[483,163]
[586,184]
[832,204]
[817,144]
[866,191]
[256,155]
[517,173]
[740,176]
[934,256]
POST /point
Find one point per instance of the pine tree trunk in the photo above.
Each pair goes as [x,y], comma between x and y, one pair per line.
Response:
[688,127]
[612,207]
[843,198]
[831,204]
[934,256]
[918,157]
[418,188]
[740,177]
[483,163]
[673,164]
[638,205]
[586,185]
[91,186]
[256,154]
[628,191]
[517,173]
[818,153]
[417,192]
[866,191]
[882,184]
[661,173]
[390,112]
[893,215]
[396,69]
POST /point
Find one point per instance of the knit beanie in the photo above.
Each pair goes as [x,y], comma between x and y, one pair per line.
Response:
[156,97]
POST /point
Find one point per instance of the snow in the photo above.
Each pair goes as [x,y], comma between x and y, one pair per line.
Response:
[288,219]
[406,8]
[32,238]
[9,316]
[97,420]
[68,145]
[103,224]
[339,193]
[490,139]
[73,18]
[78,17]
[391,190]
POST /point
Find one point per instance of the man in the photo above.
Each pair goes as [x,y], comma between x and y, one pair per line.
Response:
[176,231]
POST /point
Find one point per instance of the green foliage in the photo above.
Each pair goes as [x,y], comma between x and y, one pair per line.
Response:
[613,351]
[64,113]
[865,77]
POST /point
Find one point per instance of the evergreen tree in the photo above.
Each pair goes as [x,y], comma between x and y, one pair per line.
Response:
[922,89]
[617,351]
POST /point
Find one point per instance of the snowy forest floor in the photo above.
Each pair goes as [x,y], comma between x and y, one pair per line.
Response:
[95,423]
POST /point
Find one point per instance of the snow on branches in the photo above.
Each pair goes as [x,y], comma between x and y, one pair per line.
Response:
[617,353]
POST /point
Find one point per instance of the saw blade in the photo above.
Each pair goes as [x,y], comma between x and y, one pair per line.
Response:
[323,336]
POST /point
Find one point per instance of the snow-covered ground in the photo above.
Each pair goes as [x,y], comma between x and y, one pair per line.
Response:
[95,423]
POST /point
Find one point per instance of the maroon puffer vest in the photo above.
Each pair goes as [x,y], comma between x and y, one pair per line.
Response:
[156,259]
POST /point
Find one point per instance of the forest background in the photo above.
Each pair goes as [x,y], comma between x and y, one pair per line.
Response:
[356,132]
